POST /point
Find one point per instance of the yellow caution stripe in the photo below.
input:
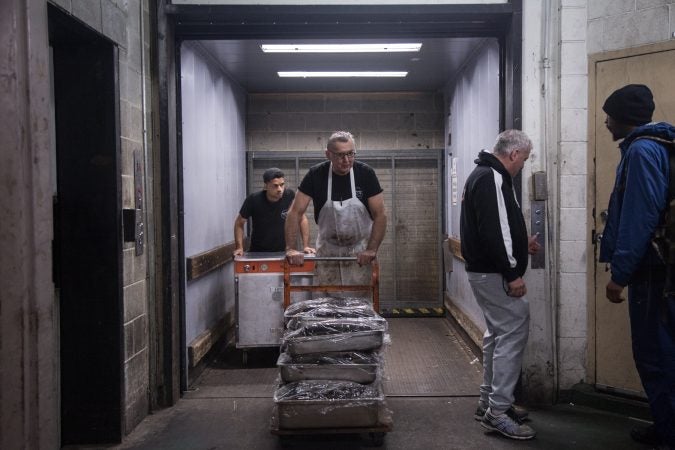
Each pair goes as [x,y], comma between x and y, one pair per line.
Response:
[414,312]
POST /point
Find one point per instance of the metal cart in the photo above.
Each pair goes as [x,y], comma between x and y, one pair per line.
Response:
[375,434]
[259,298]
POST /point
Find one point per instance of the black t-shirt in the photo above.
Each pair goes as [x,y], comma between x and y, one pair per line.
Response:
[268,220]
[315,182]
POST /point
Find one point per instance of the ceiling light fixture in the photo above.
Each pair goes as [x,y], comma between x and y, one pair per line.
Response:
[341,74]
[340,48]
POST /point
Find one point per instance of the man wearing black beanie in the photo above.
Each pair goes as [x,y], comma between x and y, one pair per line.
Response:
[635,216]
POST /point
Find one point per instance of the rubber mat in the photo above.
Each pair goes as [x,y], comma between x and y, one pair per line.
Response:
[426,358]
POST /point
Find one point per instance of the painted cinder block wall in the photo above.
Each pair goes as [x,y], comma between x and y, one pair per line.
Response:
[379,121]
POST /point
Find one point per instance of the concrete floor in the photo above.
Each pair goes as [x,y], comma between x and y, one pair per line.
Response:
[419,423]
[230,406]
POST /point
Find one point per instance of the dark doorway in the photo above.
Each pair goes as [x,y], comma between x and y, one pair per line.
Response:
[87,235]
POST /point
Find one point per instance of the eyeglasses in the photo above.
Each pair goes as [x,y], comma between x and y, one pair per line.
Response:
[346,155]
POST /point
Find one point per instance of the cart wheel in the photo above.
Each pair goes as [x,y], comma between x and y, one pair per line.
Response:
[376,439]
[244,357]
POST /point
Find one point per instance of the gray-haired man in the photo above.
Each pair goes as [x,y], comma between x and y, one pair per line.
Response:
[495,245]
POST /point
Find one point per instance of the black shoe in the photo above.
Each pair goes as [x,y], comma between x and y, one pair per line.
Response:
[645,435]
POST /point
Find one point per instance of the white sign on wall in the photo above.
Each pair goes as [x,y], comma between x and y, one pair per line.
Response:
[453,181]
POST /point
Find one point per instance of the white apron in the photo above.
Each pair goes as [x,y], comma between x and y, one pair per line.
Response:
[344,230]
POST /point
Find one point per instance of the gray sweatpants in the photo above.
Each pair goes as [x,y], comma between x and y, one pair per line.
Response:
[508,322]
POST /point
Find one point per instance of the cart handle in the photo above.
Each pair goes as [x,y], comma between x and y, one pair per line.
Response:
[330,258]
[374,287]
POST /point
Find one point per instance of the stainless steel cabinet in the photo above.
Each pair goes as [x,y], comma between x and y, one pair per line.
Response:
[259,297]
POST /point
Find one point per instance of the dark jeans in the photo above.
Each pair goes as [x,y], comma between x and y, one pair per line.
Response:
[652,321]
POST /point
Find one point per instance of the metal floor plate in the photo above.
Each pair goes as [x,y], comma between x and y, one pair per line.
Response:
[425,358]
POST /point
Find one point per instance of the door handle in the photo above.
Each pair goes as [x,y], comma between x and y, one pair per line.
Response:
[603,216]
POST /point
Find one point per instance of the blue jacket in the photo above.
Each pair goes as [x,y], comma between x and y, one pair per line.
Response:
[637,203]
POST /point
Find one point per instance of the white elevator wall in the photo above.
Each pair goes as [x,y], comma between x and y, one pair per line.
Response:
[214,179]
[473,122]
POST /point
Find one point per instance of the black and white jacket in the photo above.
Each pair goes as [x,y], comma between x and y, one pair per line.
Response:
[493,232]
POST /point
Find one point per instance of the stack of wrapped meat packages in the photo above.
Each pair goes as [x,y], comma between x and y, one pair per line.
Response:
[331,367]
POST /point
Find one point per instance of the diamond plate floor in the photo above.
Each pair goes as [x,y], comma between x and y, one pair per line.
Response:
[431,381]
[425,358]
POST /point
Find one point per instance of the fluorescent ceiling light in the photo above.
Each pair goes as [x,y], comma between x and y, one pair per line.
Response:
[339,48]
[341,74]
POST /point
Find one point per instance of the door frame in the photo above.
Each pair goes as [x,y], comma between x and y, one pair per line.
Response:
[591,248]
[88,244]
[176,23]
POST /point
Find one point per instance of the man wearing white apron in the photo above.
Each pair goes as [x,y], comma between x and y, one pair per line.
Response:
[349,210]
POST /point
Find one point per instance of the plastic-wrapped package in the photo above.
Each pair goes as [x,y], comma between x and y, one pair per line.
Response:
[334,335]
[303,307]
[326,312]
[330,404]
[359,367]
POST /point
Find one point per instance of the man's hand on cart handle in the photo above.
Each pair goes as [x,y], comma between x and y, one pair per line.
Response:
[366,257]
[309,250]
[294,257]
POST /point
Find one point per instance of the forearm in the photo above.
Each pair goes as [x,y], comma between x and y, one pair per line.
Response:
[377,232]
[238,236]
[304,231]
[291,230]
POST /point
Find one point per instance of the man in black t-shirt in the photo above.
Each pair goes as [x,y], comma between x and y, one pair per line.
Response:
[268,209]
[351,215]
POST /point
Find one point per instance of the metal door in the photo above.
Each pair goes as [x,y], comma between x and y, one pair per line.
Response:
[653,66]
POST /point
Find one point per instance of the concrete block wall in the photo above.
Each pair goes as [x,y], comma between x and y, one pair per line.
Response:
[571,307]
[120,21]
[620,24]
[378,120]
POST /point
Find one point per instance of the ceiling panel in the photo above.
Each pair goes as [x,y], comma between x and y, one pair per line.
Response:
[428,70]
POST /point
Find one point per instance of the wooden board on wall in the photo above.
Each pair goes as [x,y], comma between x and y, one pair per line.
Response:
[203,263]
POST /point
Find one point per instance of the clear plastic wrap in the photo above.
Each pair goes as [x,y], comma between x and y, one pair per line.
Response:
[327,312]
[353,303]
[335,335]
[329,404]
[359,367]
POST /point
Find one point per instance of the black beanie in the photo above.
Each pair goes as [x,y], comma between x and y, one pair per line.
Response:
[633,104]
